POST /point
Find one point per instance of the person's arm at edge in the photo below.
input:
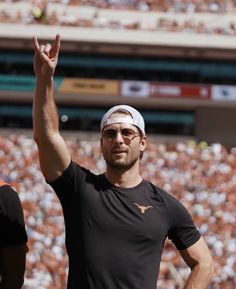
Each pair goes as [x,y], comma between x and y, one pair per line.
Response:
[199,259]
[12,260]
[54,156]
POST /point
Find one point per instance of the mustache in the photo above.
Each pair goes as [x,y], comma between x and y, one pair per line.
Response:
[118,149]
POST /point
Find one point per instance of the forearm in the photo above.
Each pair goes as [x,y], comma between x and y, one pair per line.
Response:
[200,277]
[45,117]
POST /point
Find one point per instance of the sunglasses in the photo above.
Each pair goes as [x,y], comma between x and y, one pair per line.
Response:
[126,133]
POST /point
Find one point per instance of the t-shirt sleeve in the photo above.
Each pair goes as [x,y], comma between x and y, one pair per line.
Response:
[183,232]
[11,218]
[68,183]
[65,181]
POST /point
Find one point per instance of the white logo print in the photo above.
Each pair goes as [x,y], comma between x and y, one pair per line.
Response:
[143,208]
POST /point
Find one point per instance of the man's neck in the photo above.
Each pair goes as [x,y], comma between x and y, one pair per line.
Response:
[123,178]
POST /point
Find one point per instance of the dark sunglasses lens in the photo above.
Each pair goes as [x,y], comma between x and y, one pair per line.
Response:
[110,133]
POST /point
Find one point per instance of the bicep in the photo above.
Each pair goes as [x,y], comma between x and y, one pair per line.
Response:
[54,157]
[198,253]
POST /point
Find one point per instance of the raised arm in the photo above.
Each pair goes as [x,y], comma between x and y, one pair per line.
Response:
[54,156]
[199,259]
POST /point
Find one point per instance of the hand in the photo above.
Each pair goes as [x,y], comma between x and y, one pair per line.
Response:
[45,58]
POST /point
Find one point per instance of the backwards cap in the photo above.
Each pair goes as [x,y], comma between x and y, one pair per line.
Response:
[136,119]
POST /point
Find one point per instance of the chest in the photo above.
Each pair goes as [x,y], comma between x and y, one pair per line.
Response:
[124,214]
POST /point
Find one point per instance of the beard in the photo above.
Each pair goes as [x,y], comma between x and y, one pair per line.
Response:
[120,164]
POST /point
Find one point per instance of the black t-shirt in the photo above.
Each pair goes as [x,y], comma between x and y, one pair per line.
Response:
[115,236]
[11,218]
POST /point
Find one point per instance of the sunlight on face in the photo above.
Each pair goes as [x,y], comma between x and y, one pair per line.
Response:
[121,144]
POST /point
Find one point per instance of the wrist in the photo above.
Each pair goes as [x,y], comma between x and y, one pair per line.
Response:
[43,81]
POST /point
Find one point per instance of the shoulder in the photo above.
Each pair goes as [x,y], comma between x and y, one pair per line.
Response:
[8,196]
[74,170]
[69,173]
[10,204]
[160,194]
[73,179]
[174,208]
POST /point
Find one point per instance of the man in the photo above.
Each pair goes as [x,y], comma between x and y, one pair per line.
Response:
[116,222]
[13,240]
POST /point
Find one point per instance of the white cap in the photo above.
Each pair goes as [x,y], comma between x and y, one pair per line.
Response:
[135,119]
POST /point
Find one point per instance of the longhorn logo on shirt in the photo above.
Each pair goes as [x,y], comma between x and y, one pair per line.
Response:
[143,208]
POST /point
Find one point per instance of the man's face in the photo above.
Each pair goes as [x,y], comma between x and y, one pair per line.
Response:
[121,144]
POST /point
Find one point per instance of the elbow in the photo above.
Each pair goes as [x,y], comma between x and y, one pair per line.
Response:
[35,138]
[39,139]
[208,267]
[207,270]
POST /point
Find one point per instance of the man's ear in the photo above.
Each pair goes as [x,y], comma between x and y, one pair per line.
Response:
[143,143]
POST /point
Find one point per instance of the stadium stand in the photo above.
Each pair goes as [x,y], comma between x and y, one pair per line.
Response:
[165,20]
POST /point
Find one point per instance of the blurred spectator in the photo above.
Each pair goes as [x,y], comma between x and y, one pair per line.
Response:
[39,11]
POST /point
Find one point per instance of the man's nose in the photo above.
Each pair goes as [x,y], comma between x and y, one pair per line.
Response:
[119,137]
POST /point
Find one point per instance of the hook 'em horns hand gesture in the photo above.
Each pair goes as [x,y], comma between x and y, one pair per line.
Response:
[45,58]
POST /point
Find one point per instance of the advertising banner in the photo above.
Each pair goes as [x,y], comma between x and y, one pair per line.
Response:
[135,89]
[85,86]
[223,92]
[179,90]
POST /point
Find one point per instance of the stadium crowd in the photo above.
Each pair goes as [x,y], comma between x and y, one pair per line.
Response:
[215,6]
[201,175]
[43,12]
